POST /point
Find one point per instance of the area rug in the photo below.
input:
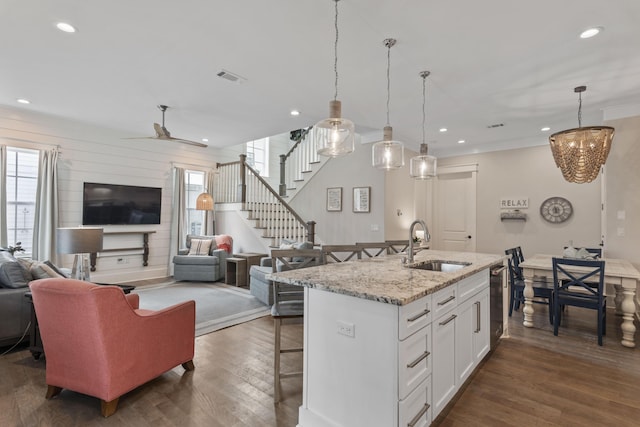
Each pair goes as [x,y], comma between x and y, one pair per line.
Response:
[217,305]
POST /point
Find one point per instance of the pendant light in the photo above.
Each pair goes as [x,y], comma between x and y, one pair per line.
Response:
[423,166]
[335,136]
[204,202]
[388,154]
[580,152]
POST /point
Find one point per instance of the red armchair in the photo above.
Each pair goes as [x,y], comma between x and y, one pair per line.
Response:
[97,342]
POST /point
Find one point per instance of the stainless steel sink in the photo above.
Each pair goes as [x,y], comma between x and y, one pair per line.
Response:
[443,266]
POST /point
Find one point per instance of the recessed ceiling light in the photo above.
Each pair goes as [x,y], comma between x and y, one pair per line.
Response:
[590,32]
[462,141]
[23,101]
[67,28]
[295,113]
[205,139]
[546,128]
[443,129]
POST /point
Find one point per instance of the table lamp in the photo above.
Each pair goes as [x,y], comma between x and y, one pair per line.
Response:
[79,241]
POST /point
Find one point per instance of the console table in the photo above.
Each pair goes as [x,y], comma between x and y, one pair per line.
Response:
[145,246]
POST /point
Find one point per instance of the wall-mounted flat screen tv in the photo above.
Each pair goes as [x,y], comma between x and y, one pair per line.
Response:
[111,204]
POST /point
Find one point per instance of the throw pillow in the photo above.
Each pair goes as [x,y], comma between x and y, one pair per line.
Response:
[200,247]
[13,275]
[40,270]
[56,269]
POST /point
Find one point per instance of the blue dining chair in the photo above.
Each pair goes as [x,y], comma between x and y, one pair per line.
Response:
[542,291]
[580,288]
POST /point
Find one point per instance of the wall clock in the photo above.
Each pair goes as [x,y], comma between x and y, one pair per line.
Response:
[556,210]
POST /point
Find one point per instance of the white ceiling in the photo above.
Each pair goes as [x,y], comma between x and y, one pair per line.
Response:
[492,61]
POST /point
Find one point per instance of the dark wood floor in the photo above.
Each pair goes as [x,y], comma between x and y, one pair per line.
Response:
[531,379]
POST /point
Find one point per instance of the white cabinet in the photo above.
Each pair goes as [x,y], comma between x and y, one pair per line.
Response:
[444,374]
[460,336]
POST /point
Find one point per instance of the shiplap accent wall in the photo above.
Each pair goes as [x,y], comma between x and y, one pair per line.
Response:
[93,154]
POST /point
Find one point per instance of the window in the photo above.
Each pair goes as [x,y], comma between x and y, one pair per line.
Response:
[258,155]
[194,183]
[22,182]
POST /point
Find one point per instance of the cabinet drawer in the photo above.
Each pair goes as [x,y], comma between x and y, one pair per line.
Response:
[472,285]
[415,410]
[444,300]
[415,361]
[414,316]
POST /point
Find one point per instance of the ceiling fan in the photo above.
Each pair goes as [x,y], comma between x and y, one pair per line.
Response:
[164,134]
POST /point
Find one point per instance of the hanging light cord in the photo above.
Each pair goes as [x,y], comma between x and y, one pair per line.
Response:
[335,58]
[388,81]
[580,109]
[424,98]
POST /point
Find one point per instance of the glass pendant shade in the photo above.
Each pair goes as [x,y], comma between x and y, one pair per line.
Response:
[423,166]
[204,202]
[388,154]
[580,152]
[335,136]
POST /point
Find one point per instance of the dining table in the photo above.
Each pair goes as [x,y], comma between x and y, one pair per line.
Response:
[619,273]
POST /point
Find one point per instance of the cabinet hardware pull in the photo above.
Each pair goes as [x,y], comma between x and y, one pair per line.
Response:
[418,360]
[417,316]
[415,419]
[477,303]
[453,316]
[451,298]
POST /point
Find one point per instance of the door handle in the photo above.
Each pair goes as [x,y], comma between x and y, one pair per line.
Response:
[469,237]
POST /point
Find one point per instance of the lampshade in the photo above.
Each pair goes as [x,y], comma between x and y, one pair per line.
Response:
[423,166]
[580,152]
[388,153]
[79,240]
[204,202]
[335,136]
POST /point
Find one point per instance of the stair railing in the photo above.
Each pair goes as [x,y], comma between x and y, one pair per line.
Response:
[300,158]
[238,182]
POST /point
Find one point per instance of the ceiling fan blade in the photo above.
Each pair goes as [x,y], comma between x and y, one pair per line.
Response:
[186,141]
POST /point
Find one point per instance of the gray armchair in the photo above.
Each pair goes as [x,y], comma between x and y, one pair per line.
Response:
[210,267]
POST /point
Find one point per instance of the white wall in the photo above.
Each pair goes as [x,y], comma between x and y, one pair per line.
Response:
[530,173]
[345,227]
[94,154]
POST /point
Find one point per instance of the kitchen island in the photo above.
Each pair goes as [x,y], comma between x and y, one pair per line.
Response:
[386,344]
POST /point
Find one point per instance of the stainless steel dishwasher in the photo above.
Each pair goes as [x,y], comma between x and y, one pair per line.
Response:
[495,301]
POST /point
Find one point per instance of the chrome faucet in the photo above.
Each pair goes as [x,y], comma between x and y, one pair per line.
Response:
[427,237]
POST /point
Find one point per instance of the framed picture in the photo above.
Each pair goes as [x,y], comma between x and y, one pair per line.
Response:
[334,199]
[361,199]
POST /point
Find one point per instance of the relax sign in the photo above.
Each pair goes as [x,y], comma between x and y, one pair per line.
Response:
[514,203]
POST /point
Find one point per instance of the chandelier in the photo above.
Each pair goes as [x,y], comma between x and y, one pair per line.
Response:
[335,136]
[580,152]
[388,154]
[423,166]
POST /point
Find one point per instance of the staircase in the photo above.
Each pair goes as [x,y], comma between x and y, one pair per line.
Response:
[266,211]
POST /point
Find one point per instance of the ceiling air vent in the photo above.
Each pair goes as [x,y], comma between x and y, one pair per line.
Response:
[497,125]
[227,75]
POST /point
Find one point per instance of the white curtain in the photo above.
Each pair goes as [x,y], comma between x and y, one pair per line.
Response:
[46,214]
[178,224]
[3,197]
[210,216]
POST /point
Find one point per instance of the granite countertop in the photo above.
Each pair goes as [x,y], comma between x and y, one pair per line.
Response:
[385,279]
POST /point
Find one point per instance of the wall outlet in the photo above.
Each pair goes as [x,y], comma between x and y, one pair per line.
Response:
[375,227]
[347,329]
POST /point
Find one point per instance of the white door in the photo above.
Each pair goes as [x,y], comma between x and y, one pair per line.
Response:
[455,208]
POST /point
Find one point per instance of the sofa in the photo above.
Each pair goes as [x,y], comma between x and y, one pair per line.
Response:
[204,259]
[259,286]
[15,309]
